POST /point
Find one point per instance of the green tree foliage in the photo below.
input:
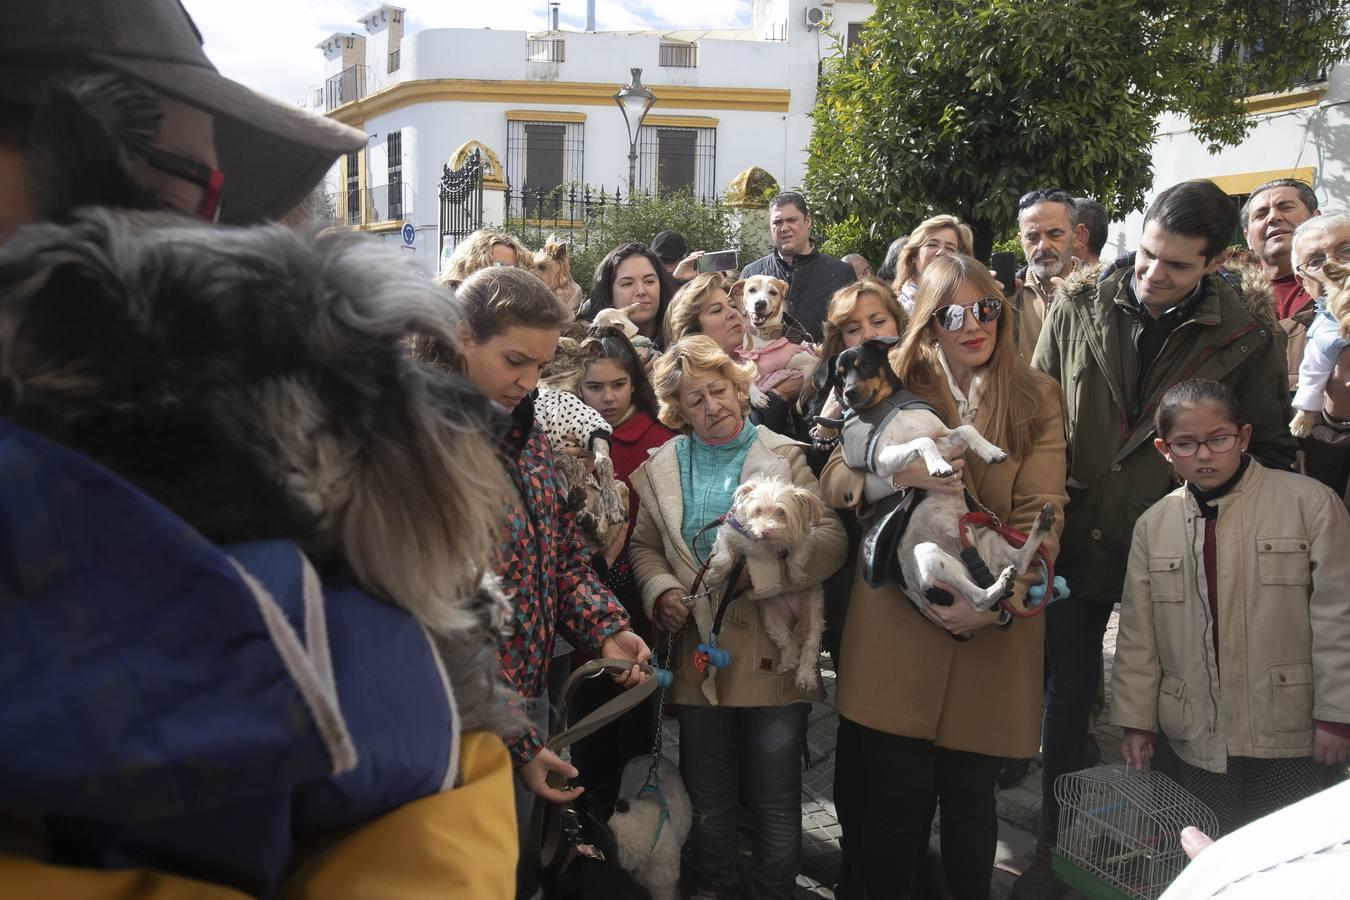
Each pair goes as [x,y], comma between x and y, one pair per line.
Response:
[960,106]
[704,226]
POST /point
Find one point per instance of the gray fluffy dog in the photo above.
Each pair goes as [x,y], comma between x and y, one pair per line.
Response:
[257,382]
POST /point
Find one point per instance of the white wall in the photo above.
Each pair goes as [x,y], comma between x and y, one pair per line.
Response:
[1316,136]
[593,58]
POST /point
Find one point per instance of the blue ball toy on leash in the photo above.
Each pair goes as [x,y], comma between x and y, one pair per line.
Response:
[715,655]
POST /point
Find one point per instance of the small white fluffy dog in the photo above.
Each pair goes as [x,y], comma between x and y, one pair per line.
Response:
[650,825]
[772,519]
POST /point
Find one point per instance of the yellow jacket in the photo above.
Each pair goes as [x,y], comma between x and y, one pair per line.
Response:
[460,844]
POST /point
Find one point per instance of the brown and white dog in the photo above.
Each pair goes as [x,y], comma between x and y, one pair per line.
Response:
[772,519]
[776,344]
[552,265]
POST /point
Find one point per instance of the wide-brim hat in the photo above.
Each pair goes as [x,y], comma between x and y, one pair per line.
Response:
[273,154]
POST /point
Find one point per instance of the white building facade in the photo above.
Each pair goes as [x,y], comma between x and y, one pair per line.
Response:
[1302,134]
[540,109]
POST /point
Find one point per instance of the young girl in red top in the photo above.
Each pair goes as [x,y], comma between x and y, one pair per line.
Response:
[615,383]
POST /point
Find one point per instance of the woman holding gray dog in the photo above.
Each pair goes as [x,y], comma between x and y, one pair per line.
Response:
[742,724]
[925,719]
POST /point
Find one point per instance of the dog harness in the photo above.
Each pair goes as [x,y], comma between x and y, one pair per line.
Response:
[661,820]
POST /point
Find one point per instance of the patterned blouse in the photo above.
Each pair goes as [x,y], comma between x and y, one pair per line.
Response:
[545,569]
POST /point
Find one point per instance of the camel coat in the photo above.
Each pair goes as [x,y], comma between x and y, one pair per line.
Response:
[662,561]
[903,675]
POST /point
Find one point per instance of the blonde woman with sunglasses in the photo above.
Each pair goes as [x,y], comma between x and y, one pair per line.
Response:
[925,719]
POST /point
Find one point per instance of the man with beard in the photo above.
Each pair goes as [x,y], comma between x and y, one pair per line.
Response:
[1047,222]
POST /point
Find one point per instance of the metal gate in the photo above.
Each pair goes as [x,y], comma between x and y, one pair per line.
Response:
[461,201]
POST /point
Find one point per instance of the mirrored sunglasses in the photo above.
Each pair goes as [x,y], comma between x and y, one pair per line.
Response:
[953,317]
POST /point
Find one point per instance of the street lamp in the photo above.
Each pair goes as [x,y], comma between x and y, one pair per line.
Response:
[634,102]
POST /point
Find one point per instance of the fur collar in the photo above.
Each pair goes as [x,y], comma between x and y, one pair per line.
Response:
[1080,284]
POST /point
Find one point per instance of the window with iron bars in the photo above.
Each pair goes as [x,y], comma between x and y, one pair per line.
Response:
[542,158]
[672,160]
[545,50]
[678,55]
[393,61]
[394,146]
[354,188]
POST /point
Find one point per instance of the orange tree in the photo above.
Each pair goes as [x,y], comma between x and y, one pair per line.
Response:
[960,106]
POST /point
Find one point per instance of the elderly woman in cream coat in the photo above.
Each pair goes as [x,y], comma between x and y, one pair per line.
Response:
[742,725]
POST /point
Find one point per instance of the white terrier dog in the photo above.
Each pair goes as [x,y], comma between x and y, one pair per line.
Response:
[772,519]
[650,825]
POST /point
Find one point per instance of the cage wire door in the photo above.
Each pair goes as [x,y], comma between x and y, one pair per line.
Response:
[1120,831]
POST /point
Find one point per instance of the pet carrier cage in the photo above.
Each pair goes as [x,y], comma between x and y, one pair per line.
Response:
[1120,831]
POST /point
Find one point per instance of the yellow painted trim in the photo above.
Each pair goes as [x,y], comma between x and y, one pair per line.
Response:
[680,121]
[1279,102]
[1244,182]
[561,93]
[543,115]
[384,227]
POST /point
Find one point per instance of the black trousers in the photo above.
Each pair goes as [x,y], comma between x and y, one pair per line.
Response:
[886,789]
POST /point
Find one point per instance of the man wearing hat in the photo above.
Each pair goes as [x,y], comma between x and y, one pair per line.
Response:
[223,150]
[670,248]
[164,710]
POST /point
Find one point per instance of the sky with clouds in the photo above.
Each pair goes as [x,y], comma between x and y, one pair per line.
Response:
[269,44]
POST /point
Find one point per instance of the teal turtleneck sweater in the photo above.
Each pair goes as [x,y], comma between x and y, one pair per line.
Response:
[709,476]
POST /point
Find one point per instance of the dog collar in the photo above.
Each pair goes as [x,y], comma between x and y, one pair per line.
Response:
[735,523]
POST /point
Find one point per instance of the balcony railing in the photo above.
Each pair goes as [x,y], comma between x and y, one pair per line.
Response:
[348,85]
[382,203]
[679,56]
[546,50]
[393,61]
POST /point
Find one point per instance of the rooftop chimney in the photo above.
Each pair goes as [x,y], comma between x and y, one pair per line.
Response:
[553,18]
[590,15]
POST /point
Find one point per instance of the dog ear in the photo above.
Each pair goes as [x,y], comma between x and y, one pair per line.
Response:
[882,344]
[783,287]
[737,291]
[810,506]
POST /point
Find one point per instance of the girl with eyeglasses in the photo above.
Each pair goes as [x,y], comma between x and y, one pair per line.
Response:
[926,719]
[1235,622]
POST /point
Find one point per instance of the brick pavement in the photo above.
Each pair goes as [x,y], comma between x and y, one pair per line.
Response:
[1018,807]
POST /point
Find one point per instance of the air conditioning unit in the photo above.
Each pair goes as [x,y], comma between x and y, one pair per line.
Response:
[817,17]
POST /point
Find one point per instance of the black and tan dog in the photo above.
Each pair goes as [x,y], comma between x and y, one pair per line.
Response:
[888,429]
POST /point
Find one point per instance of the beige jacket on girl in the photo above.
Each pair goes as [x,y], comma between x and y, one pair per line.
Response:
[1283,545]
[662,561]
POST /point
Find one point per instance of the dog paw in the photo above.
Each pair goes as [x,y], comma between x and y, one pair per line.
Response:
[1045,519]
[1007,578]
[1302,424]
[989,452]
[942,471]
[758,399]
[808,679]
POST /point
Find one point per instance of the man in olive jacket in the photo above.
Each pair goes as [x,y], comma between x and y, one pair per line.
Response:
[1116,347]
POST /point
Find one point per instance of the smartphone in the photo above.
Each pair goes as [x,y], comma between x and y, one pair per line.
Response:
[718,261]
[1005,269]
